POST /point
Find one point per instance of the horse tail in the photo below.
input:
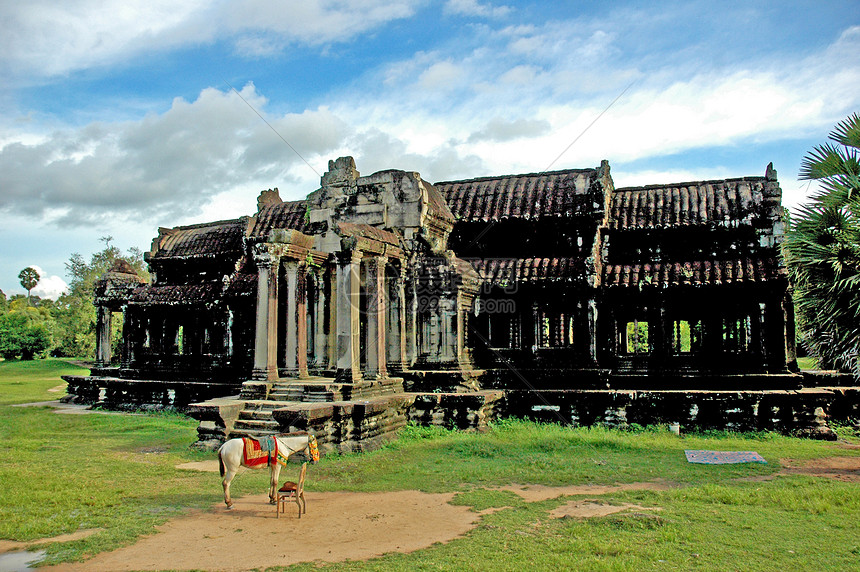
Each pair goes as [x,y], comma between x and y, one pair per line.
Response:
[220,463]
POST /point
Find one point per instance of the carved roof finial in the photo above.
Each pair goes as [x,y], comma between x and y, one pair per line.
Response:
[341,173]
[268,198]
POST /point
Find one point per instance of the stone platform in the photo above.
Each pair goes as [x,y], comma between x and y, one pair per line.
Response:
[362,415]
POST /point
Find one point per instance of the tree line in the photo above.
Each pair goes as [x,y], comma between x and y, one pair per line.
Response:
[33,327]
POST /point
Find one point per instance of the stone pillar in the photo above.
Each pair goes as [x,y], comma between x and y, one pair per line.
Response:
[291,343]
[398,360]
[462,319]
[127,356]
[412,324]
[320,355]
[331,338]
[376,339]
[592,330]
[266,330]
[448,336]
[348,325]
[302,321]
[103,326]
[789,327]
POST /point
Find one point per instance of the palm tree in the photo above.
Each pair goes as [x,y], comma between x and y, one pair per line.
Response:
[823,251]
[29,278]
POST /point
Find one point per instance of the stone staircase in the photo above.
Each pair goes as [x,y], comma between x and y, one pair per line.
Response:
[256,419]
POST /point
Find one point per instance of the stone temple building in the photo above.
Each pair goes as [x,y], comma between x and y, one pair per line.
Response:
[529,289]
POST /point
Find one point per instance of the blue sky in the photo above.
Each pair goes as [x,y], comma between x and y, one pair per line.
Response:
[117,117]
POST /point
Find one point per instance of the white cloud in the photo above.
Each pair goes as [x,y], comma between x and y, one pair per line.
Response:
[475,8]
[49,286]
[442,76]
[163,165]
[673,108]
[45,38]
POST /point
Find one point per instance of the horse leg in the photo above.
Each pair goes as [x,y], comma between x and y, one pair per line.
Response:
[275,471]
[228,478]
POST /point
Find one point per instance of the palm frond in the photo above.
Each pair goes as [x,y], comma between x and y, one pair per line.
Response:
[847,131]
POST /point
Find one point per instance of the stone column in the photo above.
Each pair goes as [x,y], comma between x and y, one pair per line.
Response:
[462,320]
[381,312]
[302,321]
[448,337]
[266,331]
[592,330]
[348,325]
[291,344]
[320,355]
[127,356]
[103,326]
[789,327]
[412,324]
[398,360]
[376,339]
[331,338]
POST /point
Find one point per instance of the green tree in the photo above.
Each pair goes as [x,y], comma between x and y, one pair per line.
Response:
[25,332]
[822,250]
[29,278]
[74,311]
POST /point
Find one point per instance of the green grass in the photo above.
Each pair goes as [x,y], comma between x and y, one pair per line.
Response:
[62,473]
[808,362]
[29,381]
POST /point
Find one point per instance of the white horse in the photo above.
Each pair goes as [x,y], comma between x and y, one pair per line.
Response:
[231,457]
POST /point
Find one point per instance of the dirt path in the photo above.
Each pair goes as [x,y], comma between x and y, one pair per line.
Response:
[343,525]
[337,526]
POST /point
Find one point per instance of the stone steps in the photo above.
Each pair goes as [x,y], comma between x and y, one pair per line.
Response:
[255,427]
[256,419]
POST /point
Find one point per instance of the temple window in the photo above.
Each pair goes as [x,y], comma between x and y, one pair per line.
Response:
[686,336]
[737,334]
[635,338]
[554,330]
[504,330]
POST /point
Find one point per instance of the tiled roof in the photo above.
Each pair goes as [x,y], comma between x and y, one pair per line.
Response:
[242,285]
[177,294]
[518,270]
[437,205]
[699,272]
[557,193]
[209,239]
[731,202]
[289,214]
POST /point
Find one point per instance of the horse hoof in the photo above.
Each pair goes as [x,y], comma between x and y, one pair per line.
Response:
[230,506]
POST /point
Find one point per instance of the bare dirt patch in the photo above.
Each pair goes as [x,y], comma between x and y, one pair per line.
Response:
[535,493]
[337,526]
[845,469]
[343,525]
[592,508]
[13,546]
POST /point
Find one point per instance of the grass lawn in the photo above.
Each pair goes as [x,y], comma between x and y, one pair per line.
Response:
[62,473]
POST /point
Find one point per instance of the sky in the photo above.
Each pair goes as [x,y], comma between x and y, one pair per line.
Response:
[117,117]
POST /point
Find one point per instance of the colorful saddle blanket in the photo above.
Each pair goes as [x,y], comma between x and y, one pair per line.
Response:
[260,452]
